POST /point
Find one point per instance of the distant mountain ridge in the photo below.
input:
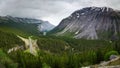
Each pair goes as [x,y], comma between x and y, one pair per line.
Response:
[91,23]
[42,25]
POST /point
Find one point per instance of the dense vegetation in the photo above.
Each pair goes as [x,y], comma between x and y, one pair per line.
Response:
[9,40]
[56,52]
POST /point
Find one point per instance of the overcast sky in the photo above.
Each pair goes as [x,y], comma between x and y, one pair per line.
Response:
[50,10]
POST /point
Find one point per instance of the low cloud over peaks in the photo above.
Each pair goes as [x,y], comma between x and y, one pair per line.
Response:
[51,10]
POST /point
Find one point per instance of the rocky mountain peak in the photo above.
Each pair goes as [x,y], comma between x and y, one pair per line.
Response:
[91,23]
[90,10]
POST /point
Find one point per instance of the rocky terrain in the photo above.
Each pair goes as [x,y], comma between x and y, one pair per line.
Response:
[91,23]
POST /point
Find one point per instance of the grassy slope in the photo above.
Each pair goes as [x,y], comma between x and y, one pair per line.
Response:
[25,31]
[15,31]
[19,28]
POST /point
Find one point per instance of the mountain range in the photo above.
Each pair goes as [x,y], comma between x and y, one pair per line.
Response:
[91,23]
[24,26]
[42,25]
[22,44]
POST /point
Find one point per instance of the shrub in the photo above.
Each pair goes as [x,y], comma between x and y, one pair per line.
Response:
[108,54]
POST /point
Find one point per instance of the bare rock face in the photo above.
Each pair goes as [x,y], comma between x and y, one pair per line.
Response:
[91,23]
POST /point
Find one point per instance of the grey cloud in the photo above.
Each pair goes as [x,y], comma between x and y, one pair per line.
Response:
[51,10]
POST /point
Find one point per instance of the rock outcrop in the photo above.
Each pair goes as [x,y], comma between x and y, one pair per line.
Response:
[91,23]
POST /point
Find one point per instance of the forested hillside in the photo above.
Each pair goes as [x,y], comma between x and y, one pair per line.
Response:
[9,40]
[56,52]
[19,28]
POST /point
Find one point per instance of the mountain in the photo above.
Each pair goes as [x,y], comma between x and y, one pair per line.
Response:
[8,24]
[42,25]
[91,23]
[45,26]
[24,26]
